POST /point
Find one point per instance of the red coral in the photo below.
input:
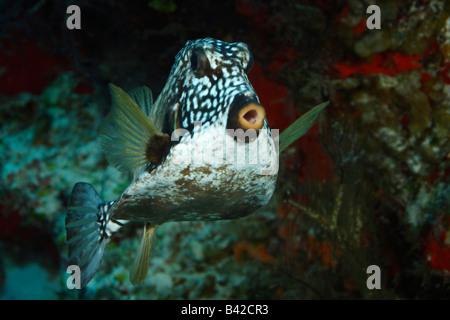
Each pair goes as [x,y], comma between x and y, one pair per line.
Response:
[26,68]
[437,252]
[425,76]
[360,27]
[273,97]
[436,244]
[315,164]
[388,63]
[284,55]
[255,251]
[444,73]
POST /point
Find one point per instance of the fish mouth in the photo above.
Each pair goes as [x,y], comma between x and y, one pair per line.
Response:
[246,113]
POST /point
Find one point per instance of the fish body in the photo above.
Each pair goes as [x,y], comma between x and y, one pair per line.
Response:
[202,151]
[202,177]
[193,183]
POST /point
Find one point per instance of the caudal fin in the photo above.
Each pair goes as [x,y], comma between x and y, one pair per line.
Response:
[89,229]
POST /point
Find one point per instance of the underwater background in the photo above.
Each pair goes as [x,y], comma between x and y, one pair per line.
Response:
[367,185]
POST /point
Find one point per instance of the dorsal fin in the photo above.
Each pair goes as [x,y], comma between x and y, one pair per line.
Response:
[128,137]
[143,98]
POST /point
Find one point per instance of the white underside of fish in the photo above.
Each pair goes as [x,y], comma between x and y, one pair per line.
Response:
[211,177]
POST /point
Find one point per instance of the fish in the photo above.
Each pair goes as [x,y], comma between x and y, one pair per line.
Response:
[203,151]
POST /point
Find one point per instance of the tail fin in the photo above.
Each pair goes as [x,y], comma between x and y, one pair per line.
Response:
[89,229]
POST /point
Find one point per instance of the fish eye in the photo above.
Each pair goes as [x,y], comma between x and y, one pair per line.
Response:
[199,62]
[249,66]
[194,61]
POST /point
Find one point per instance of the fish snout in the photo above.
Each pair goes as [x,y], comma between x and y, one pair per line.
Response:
[246,113]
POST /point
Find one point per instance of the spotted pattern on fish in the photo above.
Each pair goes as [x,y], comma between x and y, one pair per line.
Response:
[198,177]
[206,77]
[107,226]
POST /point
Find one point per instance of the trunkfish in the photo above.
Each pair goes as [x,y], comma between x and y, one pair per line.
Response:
[202,151]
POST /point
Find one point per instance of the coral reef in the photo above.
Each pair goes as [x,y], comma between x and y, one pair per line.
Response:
[368,185]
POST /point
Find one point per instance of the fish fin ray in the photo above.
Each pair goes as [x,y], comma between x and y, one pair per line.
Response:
[127,130]
[300,126]
[141,264]
[143,98]
[88,230]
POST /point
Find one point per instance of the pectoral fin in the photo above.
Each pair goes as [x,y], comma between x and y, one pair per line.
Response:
[128,137]
[300,126]
[142,263]
[143,98]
